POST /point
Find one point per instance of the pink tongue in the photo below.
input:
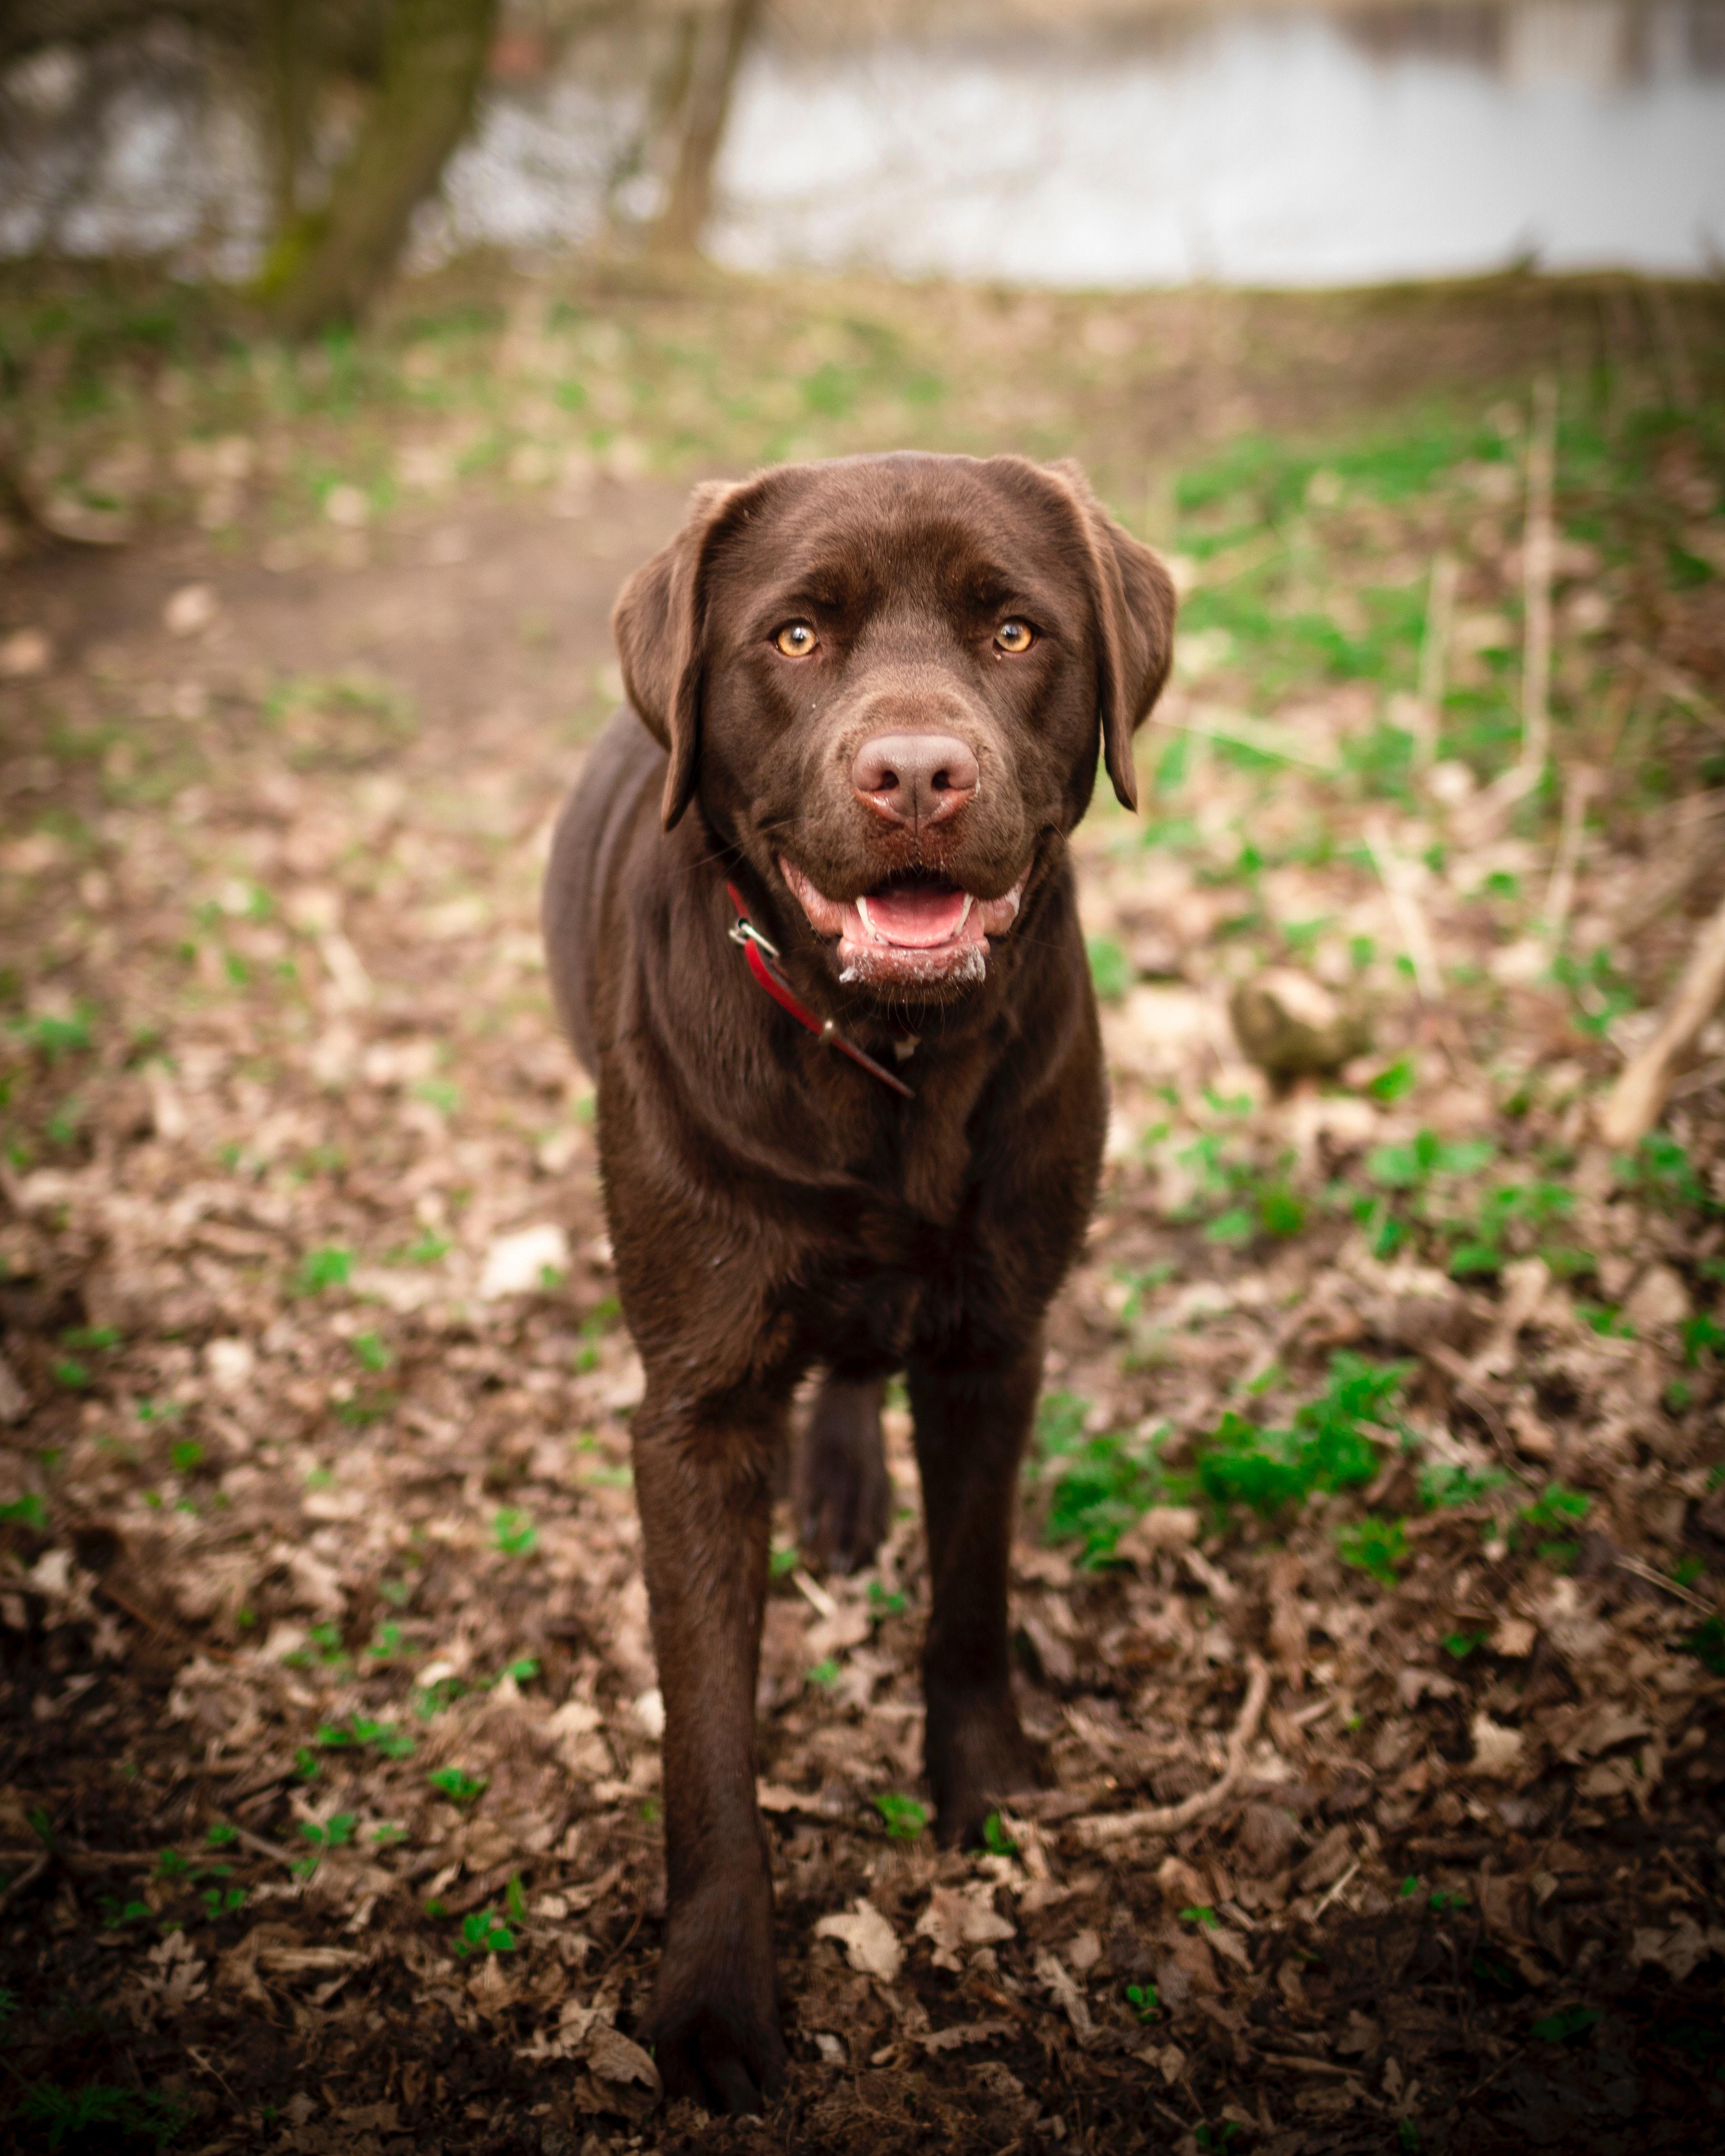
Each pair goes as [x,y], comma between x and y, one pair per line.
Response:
[916,916]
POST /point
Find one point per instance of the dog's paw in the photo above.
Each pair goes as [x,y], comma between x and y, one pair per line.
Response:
[978,1753]
[714,2028]
[711,2048]
[842,1493]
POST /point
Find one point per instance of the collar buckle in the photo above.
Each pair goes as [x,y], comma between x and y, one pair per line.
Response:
[743,933]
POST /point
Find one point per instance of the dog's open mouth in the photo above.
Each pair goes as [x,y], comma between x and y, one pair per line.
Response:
[908,929]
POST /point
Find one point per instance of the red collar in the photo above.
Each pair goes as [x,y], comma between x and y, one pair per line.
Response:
[760,953]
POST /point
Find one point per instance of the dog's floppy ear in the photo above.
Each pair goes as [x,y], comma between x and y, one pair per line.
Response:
[659,623]
[1133,596]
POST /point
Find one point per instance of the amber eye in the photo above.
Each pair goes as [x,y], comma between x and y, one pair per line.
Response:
[796,640]
[1015,636]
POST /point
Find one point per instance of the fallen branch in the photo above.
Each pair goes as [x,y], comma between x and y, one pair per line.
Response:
[22,1885]
[1638,1099]
[1169,1819]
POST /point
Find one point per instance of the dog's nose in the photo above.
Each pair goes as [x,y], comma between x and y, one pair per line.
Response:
[915,778]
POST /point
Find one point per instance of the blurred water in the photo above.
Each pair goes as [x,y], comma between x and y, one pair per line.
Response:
[1291,147]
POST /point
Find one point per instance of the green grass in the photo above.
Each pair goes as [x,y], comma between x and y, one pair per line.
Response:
[457,1785]
[1373,1546]
[100,2116]
[1706,1643]
[360,1733]
[1549,1524]
[322,1270]
[1333,1442]
[1110,969]
[514,1532]
[1444,1483]
[1100,1483]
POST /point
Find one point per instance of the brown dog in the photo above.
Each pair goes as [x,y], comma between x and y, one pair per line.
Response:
[867,696]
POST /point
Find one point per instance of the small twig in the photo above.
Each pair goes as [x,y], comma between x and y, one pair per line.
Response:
[1638,1099]
[1168,1819]
[1336,1889]
[1459,1372]
[1678,686]
[813,1593]
[1410,915]
[1698,1082]
[203,2061]
[1435,655]
[1262,736]
[1310,2066]
[272,1850]
[1209,1576]
[1579,783]
[1538,563]
[26,1879]
[617,1953]
[1680,842]
[1656,1578]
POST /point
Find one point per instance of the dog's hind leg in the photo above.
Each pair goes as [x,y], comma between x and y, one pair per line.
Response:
[840,1492]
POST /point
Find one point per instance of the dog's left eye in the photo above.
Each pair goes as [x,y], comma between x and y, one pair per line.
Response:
[1015,636]
[796,640]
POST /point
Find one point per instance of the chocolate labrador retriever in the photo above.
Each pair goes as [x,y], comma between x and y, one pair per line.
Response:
[811,924]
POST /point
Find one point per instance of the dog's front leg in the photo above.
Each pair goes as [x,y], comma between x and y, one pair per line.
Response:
[971,1425]
[703,1482]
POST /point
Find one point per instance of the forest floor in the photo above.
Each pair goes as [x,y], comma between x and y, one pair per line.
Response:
[328,1770]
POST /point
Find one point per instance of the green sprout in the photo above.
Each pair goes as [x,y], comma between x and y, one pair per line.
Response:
[457,1785]
[328,1268]
[1373,1546]
[513,1533]
[482,1932]
[904,1817]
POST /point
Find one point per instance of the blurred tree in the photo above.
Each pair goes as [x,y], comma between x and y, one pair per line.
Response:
[419,64]
[711,41]
[325,263]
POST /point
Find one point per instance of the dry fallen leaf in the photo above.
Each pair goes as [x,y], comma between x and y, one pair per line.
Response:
[961,1916]
[1496,1750]
[1052,1971]
[870,1944]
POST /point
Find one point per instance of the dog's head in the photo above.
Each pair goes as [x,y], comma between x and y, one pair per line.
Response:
[884,679]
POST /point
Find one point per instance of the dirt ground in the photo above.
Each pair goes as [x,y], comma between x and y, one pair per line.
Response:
[328,1771]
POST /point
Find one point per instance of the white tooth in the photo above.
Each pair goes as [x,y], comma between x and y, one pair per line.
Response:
[969,902]
[874,933]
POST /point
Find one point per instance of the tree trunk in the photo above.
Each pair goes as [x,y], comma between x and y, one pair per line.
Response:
[325,266]
[285,71]
[719,36]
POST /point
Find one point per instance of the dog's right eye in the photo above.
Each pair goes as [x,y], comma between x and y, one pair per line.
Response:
[796,640]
